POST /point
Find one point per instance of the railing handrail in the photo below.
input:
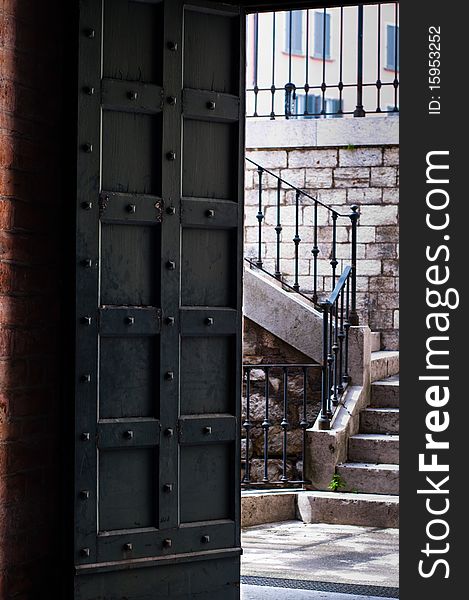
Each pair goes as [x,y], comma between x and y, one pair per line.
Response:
[293,187]
[339,285]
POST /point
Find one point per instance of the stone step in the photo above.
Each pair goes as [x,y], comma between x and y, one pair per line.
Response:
[369,478]
[375,341]
[342,508]
[269,506]
[384,363]
[385,393]
[379,420]
[374,448]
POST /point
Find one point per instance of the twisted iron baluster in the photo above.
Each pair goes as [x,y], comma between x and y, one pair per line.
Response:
[247,426]
[272,87]
[306,87]
[334,262]
[265,427]
[347,327]
[260,218]
[284,424]
[353,315]
[256,62]
[289,87]
[323,84]
[341,61]
[359,110]
[335,352]
[304,421]
[315,252]
[278,230]
[330,363]
[324,419]
[341,336]
[297,240]
[378,77]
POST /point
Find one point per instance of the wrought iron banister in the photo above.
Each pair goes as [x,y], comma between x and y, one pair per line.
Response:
[339,313]
[334,377]
[336,324]
[303,199]
[339,285]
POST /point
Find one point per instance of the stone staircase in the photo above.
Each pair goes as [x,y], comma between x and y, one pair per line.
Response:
[373,453]
[371,473]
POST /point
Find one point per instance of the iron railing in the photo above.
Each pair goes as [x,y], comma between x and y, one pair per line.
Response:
[339,312]
[285,424]
[335,378]
[326,62]
[272,263]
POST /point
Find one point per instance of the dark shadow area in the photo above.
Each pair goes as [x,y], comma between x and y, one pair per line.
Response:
[32,227]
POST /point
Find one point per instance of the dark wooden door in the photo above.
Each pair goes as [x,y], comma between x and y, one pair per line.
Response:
[158,300]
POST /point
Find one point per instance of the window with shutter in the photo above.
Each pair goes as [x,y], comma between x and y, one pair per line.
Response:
[322,35]
[294,25]
[392,48]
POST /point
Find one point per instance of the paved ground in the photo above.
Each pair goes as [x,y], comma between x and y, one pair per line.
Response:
[344,555]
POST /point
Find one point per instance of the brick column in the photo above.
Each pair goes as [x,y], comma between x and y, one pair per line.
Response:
[30,89]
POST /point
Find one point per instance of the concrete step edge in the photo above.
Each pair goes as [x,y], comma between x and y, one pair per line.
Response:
[384,354]
[369,466]
[349,508]
[388,382]
[391,410]
[351,496]
[378,437]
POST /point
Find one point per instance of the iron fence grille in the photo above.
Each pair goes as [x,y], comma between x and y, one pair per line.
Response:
[328,63]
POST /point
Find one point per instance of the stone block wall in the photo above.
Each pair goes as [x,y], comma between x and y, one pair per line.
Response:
[262,347]
[367,176]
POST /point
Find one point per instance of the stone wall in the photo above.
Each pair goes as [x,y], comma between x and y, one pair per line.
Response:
[340,176]
[261,347]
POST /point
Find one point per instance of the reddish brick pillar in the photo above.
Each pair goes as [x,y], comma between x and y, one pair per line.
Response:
[29,297]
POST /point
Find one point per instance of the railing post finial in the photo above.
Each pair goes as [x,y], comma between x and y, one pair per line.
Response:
[354,217]
[324,420]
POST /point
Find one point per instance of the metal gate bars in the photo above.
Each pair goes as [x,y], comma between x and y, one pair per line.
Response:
[276,418]
[324,63]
